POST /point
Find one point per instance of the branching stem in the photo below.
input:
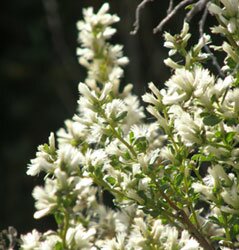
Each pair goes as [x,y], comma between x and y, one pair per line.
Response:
[137,16]
[171,14]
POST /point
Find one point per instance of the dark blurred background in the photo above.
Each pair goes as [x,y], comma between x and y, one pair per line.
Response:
[39,74]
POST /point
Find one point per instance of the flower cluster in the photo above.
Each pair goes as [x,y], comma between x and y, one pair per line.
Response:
[227,13]
[174,181]
[102,59]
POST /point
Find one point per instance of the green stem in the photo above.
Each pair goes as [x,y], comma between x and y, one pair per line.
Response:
[197,173]
[225,222]
[117,135]
[65,228]
[189,201]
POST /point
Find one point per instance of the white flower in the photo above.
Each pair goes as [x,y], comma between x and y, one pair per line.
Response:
[50,241]
[94,32]
[80,238]
[46,199]
[231,196]
[86,194]
[74,133]
[45,158]
[117,243]
[214,9]
[188,128]
[184,83]
[95,158]
[204,190]
[31,241]
[135,112]
[161,120]
[115,108]
[69,157]
[188,242]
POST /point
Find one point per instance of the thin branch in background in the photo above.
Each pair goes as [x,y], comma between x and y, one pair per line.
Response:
[55,27]
[170,7]
[171,14]
[137,16]
[199,6]
[206,47]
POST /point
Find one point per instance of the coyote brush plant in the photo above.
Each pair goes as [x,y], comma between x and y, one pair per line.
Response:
[174,180]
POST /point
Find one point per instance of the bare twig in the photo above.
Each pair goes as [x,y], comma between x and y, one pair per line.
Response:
[206,47]
[170,7]
[137,16]
[199,6]
[171,14]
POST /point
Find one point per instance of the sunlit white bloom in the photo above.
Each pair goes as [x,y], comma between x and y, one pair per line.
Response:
[230,51]
[219,152]
[161,120]
[115,148]
[74,133]
[188,243]
[167,154]
[114,109]
[205,191]
[155,92]
[95,158]
[117,243]
[135,112]
[231,196]
[149,98]
[86,195]
[171,42]
[80,238]
[31,241]
[106,223]
[205,39]
[231,7]
[230,105]
[184,83]
[94,32]
[214,9]
[46,199]
[144,184]
[219,175]
[45,158]
[172,64]
[189,129]
[69,157]
[140,131]
[50,241]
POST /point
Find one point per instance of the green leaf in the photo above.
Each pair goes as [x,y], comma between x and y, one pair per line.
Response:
[203,114]
[217,238]
[230,136]
[59,218]
[189,7]
[201,158]
[121,116]
[231,121]
[235,230]
[58,246]
[111,180]
[131,136]
[178,179]
[211,120]
[141,144]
